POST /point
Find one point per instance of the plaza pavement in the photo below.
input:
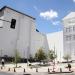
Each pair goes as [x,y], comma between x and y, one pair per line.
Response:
[23,66]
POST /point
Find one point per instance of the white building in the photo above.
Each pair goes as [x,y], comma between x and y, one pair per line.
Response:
[23,37]
[69,35]
[39,40]
[55,42]
[64,41]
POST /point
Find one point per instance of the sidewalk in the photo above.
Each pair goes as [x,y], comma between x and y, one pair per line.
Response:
[24,68]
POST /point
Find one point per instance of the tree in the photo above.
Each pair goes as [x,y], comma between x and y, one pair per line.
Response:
[17,57]
[36,56]
[67,57]
[31,58]
[52,55]
[40,55]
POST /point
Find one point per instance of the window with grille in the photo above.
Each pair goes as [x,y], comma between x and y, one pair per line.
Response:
[68,29]
[73,28]
[68,37]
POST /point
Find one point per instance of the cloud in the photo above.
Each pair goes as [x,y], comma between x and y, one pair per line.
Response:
[73,0]
[51,14]
[56,22]
[35,8]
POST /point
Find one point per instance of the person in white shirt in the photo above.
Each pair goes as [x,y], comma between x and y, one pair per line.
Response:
[2,61]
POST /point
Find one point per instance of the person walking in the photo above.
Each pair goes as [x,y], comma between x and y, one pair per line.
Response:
[3,62]
[69,66]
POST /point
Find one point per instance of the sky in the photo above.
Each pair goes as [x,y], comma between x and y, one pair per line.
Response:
[48,13]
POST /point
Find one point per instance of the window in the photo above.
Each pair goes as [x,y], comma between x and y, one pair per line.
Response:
[74,28]
[73,37]
[68,29]
[68,37]
[1,17]
[74,51]
[13,23]
[1,24]
[37,30]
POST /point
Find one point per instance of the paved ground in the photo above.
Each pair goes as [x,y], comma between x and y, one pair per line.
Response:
[3,73]
[41,70]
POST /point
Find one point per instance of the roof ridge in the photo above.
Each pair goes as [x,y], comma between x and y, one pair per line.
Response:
[16,11]
[70,15]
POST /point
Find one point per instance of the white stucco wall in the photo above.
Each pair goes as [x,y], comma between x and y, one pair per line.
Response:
[24,37]
[56,40]
[17,38]
[68,35]
[7,35]
[38,40]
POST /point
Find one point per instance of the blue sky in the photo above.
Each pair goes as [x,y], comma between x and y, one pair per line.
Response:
[48,13]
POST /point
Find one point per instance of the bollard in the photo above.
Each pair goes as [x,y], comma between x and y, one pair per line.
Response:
[14,70]
[24,69]
[48,70]
[60,69]
[36,69]
[8,69]
[1,67]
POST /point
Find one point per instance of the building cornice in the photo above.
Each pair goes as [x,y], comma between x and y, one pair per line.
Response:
[16,11]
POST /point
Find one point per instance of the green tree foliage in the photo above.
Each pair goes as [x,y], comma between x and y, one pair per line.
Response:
[17,57]
[31,58]
[40,55]
[67,57]
[36,56]
[52,55]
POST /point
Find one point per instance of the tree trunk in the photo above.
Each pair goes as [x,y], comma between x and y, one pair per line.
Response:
[67,60]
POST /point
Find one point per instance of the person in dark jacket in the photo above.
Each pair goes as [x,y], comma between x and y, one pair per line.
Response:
[69,66]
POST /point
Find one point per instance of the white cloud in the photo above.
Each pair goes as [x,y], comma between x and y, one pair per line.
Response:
[49,14]
[35,8]
[73,0]
[56,22]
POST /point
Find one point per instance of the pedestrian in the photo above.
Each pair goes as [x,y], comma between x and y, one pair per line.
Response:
[69,66]
[3,63]
[48,70]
